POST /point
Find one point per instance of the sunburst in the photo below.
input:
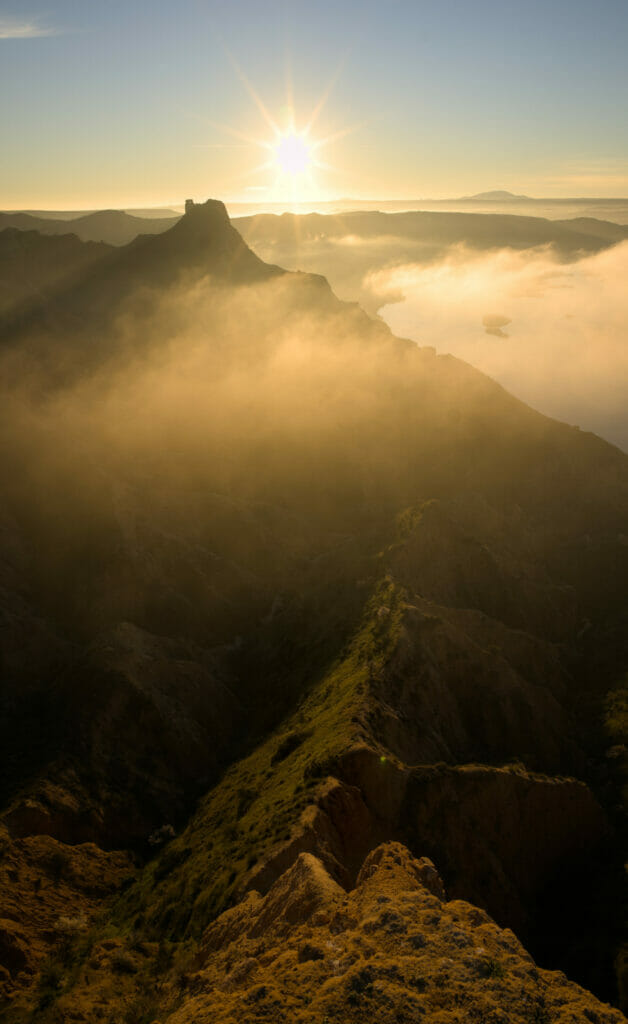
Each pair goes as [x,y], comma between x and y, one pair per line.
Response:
[292,150]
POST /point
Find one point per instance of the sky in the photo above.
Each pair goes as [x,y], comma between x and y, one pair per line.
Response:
[147,102]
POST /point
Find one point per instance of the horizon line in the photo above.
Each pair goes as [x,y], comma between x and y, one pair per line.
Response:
[509,198]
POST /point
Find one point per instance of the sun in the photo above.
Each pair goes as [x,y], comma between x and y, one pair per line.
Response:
[293,153]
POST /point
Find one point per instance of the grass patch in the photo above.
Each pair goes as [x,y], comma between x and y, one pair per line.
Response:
[260,799]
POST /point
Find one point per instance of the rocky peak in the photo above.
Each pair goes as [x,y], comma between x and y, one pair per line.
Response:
[205,238]
[203,226]
[210,215]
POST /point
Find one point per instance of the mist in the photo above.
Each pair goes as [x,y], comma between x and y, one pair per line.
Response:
[206,419]
[538,305]
[554,334]
[261,425]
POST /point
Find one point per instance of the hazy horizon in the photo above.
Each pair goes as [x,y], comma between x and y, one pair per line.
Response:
[613,209]
[177,205]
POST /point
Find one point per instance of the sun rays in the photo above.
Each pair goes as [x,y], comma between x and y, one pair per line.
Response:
[292,152]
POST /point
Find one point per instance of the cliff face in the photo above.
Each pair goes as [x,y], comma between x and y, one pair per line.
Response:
[282,584]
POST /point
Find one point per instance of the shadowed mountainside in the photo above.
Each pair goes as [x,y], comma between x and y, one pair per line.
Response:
[258,551]
[32,266]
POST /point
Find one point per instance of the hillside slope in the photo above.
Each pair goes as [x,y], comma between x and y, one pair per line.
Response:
[256,550]
[33,265]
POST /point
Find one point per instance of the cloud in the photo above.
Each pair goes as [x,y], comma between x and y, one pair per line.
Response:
[23,28]
[565,351]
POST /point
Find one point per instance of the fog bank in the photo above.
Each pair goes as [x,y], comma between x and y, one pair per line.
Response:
[553,334]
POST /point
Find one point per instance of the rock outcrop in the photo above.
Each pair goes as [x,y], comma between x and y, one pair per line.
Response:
[391,949]
[50,894]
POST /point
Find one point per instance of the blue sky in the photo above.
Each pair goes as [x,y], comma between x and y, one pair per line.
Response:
[137,102]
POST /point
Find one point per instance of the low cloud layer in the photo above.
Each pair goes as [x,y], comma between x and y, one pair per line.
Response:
[565,349]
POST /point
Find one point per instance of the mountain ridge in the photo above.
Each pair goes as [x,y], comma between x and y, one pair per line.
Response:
[113,226]
[316,578]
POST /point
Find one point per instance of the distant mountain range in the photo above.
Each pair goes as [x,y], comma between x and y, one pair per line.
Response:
[112,226]
[349,248]
[148,212]
[497,196]
[119,228]
[439,229]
